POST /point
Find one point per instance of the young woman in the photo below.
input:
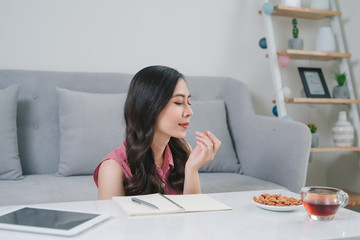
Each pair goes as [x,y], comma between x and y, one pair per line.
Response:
[154,157]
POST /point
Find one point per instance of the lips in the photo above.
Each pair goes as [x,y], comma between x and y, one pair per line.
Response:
[184,125]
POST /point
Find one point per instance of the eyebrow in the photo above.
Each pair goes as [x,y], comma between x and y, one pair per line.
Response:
[180,95]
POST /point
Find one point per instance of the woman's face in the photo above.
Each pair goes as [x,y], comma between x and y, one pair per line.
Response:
[174,119]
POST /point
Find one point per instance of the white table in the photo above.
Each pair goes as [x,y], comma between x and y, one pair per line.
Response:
[245,221]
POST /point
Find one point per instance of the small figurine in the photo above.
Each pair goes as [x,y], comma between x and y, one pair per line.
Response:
[295,29]
[295,42]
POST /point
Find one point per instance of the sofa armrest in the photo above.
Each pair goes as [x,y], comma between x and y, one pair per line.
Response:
[274,150]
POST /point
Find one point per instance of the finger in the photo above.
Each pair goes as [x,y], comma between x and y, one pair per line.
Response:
[207,141]
[204,136]
[200,134]
[214,139]
[211,136]
[207,147]
[202,145]
[210,149]
[207,153]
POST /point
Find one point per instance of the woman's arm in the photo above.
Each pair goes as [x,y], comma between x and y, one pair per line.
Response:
[110,180]
[204,152]
[191,182]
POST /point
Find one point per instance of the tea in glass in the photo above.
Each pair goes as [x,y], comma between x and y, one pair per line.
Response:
[322,203]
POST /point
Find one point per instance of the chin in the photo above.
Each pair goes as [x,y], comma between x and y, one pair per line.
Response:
[179,135]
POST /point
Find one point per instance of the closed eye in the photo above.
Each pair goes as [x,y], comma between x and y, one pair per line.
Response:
[180,103]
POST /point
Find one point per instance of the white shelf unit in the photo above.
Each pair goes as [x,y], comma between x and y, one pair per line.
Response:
[342,57]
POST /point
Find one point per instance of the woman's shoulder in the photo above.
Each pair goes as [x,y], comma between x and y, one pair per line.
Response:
[118,155]
[110,164]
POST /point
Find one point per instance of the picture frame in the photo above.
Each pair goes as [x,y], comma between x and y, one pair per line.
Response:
[314,82]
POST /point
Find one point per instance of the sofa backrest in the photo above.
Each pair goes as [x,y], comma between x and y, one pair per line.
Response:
[38,118]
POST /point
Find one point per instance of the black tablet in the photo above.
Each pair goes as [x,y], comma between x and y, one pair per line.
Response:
[48,221]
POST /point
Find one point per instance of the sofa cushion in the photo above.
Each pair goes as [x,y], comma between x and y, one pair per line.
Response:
[211,115]
[10,167]
[233,182]
[91,126]
[47,188]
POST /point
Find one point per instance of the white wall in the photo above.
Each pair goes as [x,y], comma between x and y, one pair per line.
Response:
[202,37]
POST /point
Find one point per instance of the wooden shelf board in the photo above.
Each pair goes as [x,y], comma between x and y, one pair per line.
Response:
[322,100]
[313,55]
[335,149]
[354,198]
[307,13]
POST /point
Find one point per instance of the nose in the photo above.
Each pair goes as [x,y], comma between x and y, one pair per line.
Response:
[188,111]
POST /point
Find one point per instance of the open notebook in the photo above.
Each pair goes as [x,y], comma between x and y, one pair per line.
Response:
[169,204]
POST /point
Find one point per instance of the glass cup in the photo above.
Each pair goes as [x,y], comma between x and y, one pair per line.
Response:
[322,203]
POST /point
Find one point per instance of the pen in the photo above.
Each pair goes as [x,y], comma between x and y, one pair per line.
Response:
[181,207]
[139,201]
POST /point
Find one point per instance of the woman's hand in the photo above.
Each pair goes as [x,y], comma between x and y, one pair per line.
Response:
[204,152]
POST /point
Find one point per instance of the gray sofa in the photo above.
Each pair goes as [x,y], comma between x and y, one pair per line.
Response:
[57,126]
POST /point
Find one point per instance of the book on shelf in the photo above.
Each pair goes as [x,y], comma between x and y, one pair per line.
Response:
[164,204]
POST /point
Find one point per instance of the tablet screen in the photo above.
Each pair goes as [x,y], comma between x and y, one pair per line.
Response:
[58,221]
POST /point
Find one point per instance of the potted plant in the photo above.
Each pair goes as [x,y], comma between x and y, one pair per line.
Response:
[340,91]
[314,134]
[295,42]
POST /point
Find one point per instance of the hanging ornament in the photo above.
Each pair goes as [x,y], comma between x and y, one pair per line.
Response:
[262,43]
[283,61]
[286,92]
[268,8]
[274,111]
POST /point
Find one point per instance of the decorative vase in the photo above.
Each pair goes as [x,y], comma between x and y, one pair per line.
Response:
[291,3]
[325,40]
[320,4]
[341,92]
[315,139]
[343,132]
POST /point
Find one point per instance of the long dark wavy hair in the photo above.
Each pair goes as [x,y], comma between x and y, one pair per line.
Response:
[149,92]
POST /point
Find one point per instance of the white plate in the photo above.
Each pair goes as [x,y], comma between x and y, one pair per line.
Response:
[278,208]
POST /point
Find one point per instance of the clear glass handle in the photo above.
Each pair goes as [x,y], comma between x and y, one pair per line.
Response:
[343,198]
